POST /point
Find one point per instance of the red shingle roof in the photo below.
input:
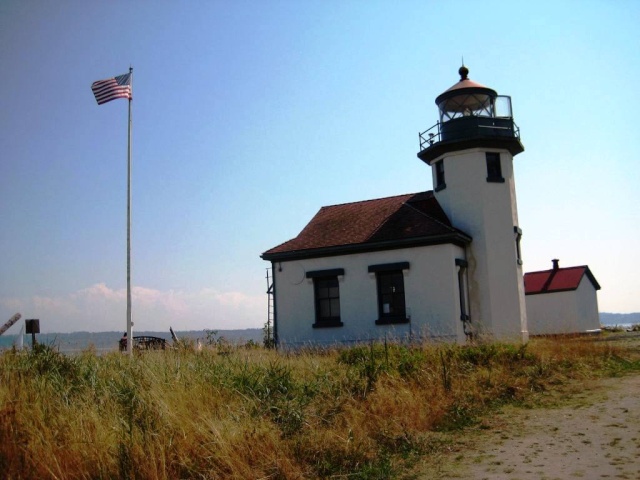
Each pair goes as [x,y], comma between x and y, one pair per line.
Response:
[383,220]
[557,280]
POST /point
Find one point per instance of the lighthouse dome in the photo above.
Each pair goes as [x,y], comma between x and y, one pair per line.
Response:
[466,98]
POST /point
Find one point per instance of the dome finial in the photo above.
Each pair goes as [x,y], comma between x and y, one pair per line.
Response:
[463,71]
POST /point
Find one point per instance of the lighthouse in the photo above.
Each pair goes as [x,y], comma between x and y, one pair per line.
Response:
[470,151]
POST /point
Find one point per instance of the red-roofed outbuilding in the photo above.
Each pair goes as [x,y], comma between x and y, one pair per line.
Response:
[562,300]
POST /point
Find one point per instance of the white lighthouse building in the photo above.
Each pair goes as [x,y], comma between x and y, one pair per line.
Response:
[442,265]
[471,152]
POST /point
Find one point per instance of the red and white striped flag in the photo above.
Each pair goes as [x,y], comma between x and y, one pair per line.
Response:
[112,88]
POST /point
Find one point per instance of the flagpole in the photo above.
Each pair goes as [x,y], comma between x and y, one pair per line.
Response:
[129,322]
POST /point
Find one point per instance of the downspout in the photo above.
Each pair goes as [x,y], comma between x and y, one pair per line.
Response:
[275,306]
[464,298]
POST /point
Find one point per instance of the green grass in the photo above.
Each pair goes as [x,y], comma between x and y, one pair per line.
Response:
[366,412]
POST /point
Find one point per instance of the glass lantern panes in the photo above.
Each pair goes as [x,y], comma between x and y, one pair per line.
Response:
[467,105]
[503,107]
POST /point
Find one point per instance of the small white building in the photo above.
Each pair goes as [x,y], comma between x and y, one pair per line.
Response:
[442,264]
[368,270]
[562,301]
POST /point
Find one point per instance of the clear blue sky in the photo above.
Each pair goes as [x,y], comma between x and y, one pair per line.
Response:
[248,116]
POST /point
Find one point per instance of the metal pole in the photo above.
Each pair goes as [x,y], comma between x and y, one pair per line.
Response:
[129,322]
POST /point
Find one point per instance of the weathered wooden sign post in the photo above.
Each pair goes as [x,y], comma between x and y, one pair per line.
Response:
[10,323]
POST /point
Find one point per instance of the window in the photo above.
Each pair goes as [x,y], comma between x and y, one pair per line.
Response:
[391,294]
[326,289]
[327,293]
[391,298]
[440,185]
[518,234]
[494,168]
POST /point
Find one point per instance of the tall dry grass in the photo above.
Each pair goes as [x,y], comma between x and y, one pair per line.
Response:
[365,412]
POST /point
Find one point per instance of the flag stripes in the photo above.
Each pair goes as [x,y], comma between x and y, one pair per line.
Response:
[112,88]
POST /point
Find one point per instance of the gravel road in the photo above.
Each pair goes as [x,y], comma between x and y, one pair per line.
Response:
[595,434]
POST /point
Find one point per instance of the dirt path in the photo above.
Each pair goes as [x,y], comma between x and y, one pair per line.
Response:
[595,434]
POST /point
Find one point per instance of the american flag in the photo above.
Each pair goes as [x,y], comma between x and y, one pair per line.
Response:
[112,88]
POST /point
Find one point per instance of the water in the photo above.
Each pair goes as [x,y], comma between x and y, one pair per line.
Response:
[104,342]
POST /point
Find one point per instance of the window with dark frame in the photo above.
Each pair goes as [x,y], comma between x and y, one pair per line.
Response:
[494,168]
[391,295]
[327,293]
[440,184]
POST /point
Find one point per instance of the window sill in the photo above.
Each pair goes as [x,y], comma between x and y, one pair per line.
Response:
[442,186]
[391,320]
[495,179]
[328,324]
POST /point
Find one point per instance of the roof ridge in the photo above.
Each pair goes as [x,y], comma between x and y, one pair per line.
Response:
[406,203]
[451,227]
[373,199]
[384,220]
[557,269]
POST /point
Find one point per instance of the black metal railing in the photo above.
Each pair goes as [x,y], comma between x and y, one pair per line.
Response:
[430,136]
[468,127]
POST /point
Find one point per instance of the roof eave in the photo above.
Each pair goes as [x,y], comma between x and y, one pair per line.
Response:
[512,144]
[457,238]
[591,278]
[468,88]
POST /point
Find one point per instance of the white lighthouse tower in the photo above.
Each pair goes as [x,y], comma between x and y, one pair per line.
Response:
[470,151]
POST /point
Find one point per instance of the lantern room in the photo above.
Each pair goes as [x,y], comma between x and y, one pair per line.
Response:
[470,115]
[466,98]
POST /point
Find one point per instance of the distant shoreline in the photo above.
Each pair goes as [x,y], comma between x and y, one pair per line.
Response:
[104,342]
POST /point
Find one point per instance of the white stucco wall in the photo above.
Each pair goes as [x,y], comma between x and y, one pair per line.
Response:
[588,312]
[431,297]
[488,212]
[574,311]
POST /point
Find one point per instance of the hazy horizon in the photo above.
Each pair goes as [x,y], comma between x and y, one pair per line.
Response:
[605,318]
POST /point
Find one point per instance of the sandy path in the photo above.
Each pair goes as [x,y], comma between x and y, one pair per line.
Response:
[593,435]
